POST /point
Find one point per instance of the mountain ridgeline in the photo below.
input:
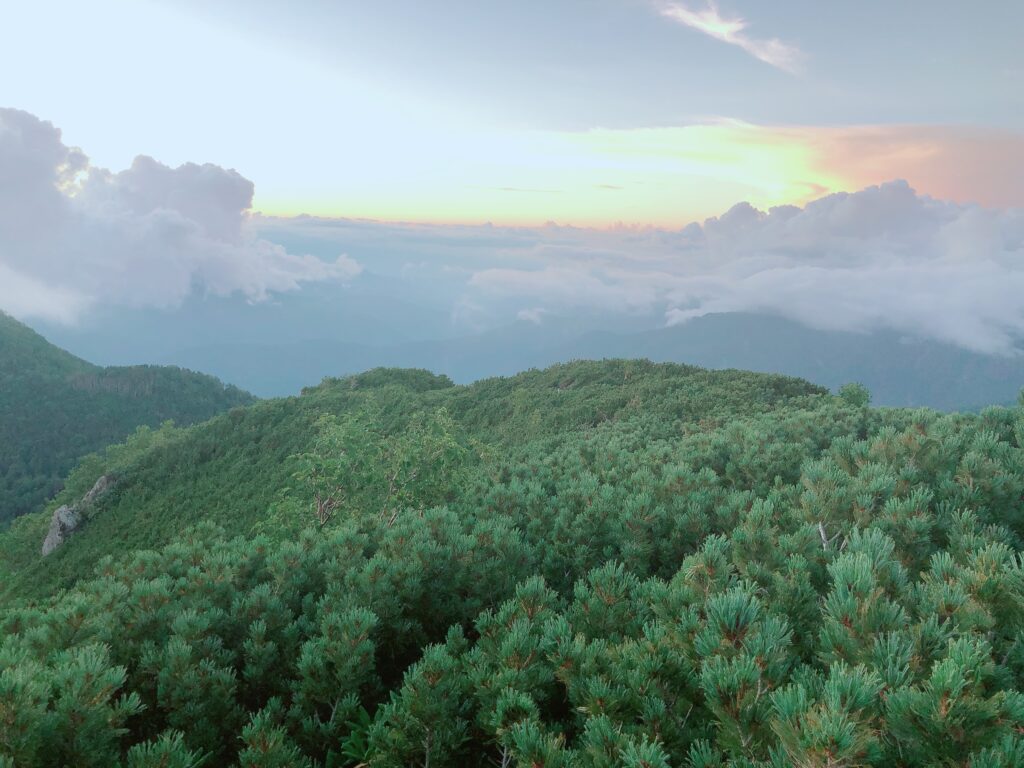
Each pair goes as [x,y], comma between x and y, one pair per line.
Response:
[56,408]
[614,563]
[899,371]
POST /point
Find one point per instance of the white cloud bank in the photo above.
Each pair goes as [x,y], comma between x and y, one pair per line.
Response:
[73,235]
[881,258]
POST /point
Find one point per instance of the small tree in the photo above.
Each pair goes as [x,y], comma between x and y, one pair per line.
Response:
[855,394]
[340,459]
[423,464]
[353,462]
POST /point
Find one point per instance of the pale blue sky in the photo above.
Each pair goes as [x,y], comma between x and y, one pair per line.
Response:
[622,63]
[406,109]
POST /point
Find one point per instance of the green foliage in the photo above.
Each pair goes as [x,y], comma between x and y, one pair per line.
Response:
[353,464]
[169,751]
[68,710]
[602,564]
[55,409]
[855,394]
[267,743]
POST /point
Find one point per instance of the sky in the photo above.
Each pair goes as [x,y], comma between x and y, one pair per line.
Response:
[585,112]
[459,165]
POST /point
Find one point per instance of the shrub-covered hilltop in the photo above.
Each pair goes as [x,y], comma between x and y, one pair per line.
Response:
[600,564]
[56,408]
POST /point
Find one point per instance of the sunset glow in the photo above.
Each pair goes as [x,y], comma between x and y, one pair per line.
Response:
[667,176]
[658,113]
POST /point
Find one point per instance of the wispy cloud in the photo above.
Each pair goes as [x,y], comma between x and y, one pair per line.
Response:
[711,22]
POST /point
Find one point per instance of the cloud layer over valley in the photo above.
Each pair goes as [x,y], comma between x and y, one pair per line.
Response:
[881,258]
[73,235]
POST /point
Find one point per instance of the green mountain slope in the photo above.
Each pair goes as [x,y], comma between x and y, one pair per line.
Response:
[55,408]
[598,564]
[233,470]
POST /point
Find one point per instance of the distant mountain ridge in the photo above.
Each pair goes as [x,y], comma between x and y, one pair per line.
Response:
[55,408]
[898,371]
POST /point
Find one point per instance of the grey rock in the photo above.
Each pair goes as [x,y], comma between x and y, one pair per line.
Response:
[67,519]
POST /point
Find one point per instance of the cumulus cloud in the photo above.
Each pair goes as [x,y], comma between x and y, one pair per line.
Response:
[711,22]
[881,258]
[73,235]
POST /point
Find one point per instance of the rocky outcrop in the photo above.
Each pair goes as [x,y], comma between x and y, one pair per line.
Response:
[63,523]
[66,519]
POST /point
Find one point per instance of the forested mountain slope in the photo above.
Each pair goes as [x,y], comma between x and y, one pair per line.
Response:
[235,470]
[599,564]
[55,408]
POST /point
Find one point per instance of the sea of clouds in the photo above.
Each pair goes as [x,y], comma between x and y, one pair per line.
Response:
[73,236]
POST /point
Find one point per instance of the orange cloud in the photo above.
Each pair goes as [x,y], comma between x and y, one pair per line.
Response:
[962,164]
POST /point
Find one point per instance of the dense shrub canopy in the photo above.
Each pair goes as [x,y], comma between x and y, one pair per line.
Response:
[600,564]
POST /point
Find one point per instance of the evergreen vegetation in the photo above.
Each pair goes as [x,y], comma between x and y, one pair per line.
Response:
[599,564]
[55,408]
